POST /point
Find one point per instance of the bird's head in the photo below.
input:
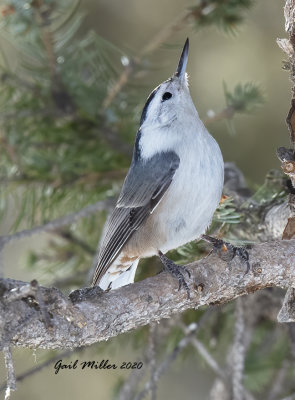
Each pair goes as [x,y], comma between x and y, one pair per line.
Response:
[171,99]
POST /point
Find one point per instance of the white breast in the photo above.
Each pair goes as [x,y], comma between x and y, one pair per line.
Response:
[187,208]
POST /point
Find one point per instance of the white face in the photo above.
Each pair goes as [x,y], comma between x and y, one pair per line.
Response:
[168,118]
[166,103]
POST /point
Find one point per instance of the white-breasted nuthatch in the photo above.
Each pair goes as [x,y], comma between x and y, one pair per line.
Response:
[172,188]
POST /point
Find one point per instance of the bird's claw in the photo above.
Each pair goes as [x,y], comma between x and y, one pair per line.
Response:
[183,269]
[183,283]
[177,271]
[227,251]
[243,254]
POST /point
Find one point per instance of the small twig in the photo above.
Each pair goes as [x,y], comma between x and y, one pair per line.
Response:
[54,225]
[291,332]
[121,82]
[238,352]
[209,359]
[278,384]
[47,39]
[59,93]
[226,113]
[135,376]
[235,360]
[152,363]
[59,222]
[291,397]
[128,388]
[11,382]
[191,330]
[67,235]
[163,367]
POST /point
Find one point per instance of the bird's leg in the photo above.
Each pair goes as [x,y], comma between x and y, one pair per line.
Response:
[226,251]
[177,271]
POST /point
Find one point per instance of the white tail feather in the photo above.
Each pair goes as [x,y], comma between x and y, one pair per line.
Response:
[115,280]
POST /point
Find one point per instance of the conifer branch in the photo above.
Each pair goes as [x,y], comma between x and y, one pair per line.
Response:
[244,98]
[90,315]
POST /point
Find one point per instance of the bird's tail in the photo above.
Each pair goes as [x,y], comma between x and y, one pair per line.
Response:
[118,275]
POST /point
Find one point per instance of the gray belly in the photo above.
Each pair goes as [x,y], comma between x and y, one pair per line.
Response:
[186,209]
[174,222]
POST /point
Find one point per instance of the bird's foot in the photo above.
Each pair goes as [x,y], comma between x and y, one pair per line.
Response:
[226,251]
[177,271]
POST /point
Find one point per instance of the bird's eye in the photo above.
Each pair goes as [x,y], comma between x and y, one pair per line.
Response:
[166,96]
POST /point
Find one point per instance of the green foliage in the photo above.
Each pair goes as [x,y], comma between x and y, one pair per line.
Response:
[227,213]
[244,98]
[273,191]
[55,147]
[226,14]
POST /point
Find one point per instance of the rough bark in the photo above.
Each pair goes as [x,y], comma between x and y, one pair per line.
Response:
[90,315]
[287,156]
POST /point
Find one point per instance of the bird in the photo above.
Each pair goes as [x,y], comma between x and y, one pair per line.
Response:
[171,191]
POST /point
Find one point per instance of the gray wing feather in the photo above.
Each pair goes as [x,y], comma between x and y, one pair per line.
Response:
[143,188]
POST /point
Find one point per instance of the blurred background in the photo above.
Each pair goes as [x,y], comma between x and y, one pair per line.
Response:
[67,130]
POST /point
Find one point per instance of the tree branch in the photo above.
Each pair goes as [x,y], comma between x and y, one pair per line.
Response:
[91,315]
[165,364]
[238,352]
[59,222]
[10,372]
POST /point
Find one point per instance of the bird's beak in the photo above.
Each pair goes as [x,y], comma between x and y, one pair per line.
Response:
[180,72]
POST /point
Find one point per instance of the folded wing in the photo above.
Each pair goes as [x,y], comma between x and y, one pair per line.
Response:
[143,188]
